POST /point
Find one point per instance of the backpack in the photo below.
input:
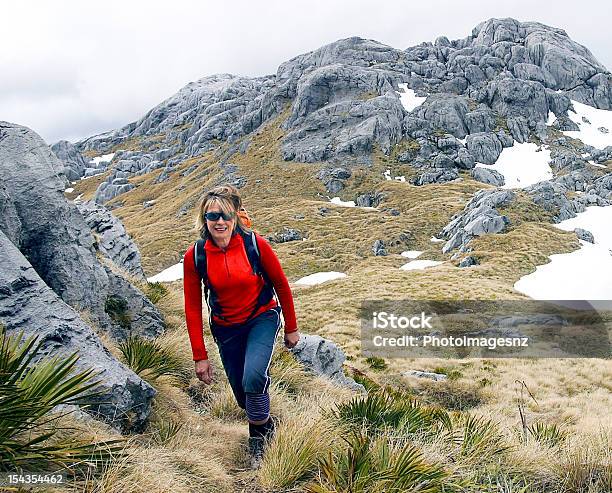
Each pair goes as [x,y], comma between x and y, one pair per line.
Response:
[244,216]
[250,245]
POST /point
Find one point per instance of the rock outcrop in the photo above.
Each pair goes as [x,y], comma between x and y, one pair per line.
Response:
[53,236]
[27,304]
[51,280]
[481,93]
[323,357]
[479,217]
[112,240]
[74,162]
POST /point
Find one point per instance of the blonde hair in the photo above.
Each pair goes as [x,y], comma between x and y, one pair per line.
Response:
[229,201]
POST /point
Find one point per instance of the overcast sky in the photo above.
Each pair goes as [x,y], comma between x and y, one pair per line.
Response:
[70,70]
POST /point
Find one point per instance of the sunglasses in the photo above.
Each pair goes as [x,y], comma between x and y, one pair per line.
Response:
[215,216]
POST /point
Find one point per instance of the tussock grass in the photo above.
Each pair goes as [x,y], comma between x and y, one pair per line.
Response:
[293,455]
[162,469]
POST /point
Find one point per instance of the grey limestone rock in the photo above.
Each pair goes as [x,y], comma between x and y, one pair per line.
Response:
[436,377]
[74,162]
[55,239]
[480,120]
[379,248]
[345,130]
[27,304]
[464,159]
[489,176]
[585,235]
[435,176]
[478,217]
[286,235]
[112,239]
[323,357]
[485,147]
[445,112]
[468,261]
[370,199]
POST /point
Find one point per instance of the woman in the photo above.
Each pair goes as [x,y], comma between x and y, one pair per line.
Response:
[243,321]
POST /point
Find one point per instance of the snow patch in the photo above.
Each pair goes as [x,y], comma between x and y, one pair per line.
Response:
[349,203]
[173,273]
[595,125]
[522,165]
[77,200]
[319,278]
[585,274]
[411,253]
[343,203]
[433,239]
[409,99]
[105,158]
[420,264]
[387,175]
[69,190]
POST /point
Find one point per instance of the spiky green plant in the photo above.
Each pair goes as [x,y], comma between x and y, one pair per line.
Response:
[374,464]
[167,429]
[155,291]
[376,363]
[393,410]
[149,360]
[28,393]
[550,435]
[480,439]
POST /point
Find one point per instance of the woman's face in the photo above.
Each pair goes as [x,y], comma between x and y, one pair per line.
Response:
[221,229]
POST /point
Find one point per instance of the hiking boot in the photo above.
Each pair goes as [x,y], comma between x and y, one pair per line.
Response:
[271,429]
[256,451]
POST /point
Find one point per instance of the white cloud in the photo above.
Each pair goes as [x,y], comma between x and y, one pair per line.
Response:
[71,69]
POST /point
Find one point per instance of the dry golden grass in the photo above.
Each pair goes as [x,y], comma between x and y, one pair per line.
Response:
[292,456]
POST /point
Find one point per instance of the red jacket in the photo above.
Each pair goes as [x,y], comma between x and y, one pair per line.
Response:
[236,286]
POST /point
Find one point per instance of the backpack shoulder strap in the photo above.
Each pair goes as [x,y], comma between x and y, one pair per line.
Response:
[199,253]
[252,251]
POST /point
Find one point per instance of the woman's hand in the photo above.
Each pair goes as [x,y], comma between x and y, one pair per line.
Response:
[204,371]
[291,339]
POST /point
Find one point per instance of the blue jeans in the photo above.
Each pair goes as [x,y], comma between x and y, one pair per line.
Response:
[246,353]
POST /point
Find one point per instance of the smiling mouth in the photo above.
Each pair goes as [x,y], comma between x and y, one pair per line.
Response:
[220,229]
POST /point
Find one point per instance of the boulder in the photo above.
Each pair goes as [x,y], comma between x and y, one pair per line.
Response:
[489,176]
[478,217]
[468,261]
[286,235]
[485,147]
[52,234]
[584,235]
[27,304]
[379,248]
[480,120]
[436,377]
[323,357]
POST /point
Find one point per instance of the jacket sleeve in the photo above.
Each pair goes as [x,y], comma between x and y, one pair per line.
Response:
[272,266]
[192,290]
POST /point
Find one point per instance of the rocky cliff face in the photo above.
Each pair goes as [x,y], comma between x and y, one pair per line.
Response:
[499,85]
[51,276]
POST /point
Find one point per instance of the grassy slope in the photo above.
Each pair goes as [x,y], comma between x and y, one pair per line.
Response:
[576,393]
